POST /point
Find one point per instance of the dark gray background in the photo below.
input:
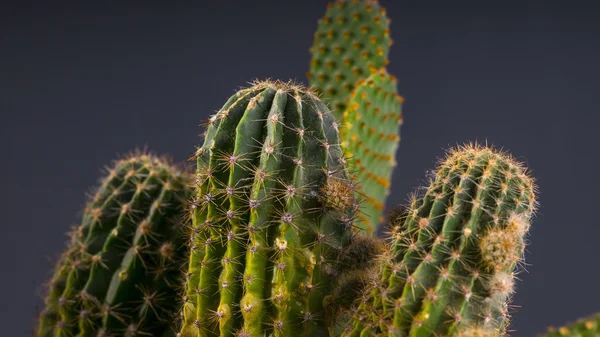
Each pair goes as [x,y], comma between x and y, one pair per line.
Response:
[80,84]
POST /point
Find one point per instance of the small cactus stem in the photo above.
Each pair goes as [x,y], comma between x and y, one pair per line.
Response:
[584,327]
[370,133]
[123,258]
[453,269]
[268,223]
[351,39]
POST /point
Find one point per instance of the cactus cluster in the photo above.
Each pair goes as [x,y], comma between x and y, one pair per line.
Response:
[273,209]
[120,272]
[278,240]
[349,56]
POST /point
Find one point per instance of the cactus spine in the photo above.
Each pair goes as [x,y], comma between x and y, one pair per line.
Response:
[585,327]
[121,270]
[273,209]
[348,65]
[452,255]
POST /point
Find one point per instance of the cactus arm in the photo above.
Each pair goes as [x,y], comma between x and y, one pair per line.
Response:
[370,133]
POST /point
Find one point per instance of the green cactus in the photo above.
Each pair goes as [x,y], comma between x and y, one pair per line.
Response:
[450,265]
[585,327]
[348,58]
[371,136]
[273,210]
[121,270]
[351,39]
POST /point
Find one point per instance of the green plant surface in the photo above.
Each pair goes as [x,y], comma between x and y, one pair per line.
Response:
[450,266]
[351,39]
[273,210]
[121,270]
[585,327]
[370,135]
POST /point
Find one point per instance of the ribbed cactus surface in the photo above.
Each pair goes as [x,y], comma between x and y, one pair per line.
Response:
[351,39]
[371,134]
[450,265]
[585,327]
[273,210]
[121,270]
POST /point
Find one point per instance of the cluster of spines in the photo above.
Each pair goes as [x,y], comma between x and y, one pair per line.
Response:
[371,136]
[585,327]
[121,269]
[272,211]
[351,39]
[453,252]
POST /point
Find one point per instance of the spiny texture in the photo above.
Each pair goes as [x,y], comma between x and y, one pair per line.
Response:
[371,134]
[585,327]
[121,270]
[449,269]
[351,39]
[273,209]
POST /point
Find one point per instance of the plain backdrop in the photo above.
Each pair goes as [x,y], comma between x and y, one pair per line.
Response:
[82,82]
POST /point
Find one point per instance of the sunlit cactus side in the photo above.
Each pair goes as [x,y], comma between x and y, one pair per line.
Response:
[450,266]
[371,134]
[585,327]
[122,268]
[273,210]
[351,39]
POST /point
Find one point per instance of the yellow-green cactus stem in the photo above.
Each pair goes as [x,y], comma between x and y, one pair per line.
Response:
[273,210]
[371,134]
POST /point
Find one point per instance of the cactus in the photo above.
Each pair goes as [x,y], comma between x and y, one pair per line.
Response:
[371,136]
[120,272]
[272,211]
[449,268]
[351,39]
[585,327]
[348,58]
